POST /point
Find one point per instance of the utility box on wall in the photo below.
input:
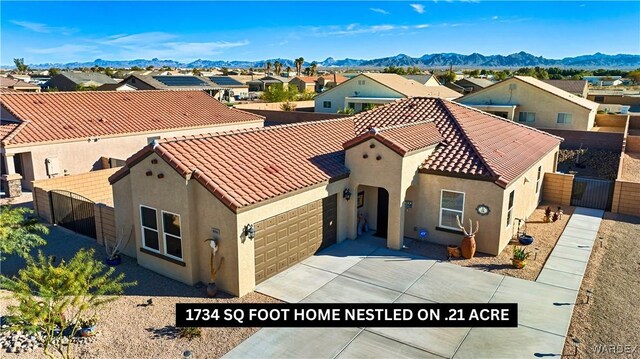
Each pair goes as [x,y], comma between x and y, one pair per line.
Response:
[53,166]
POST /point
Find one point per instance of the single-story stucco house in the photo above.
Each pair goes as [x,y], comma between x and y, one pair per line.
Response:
[274,196]
[534,103]
[45,135]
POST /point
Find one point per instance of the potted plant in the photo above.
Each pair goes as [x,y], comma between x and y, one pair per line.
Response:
[547,215]
[453,251]
[468,245]
[113,252]
[520,256]
[88,326]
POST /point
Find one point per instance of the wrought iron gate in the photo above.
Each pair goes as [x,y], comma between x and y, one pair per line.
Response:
[73,211]
[592,193]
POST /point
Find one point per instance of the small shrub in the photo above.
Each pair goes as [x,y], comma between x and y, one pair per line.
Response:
[288,106]
[190,333]
[520,253]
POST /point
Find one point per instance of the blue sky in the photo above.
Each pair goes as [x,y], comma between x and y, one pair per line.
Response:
[44,32]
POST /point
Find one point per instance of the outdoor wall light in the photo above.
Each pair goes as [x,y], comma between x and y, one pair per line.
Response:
[249,231]
[576,344]
[408,204]
[346,194]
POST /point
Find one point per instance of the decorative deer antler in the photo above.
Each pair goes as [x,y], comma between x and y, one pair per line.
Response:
[471,232]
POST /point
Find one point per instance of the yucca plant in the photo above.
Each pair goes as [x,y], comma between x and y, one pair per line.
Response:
[519,253]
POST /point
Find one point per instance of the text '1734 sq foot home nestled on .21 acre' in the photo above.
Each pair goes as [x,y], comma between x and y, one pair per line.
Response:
[273,196]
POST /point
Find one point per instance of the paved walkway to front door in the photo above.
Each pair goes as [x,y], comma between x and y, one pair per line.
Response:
[364,271]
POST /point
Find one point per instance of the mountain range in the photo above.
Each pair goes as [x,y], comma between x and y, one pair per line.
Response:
[440,60]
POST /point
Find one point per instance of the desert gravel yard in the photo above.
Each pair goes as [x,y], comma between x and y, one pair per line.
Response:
[612,317]
[631,167]
[546,235]
[127,328]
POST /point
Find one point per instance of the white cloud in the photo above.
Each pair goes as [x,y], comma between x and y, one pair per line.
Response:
[43,28]
[422,26]
[379,11]
[357,29]
[494,18]
[64,49]
[143,39]
[419,8]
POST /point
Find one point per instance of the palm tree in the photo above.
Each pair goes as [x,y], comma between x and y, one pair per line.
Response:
[314,68]
[288,69]
[277,66]
[299,62]
[268,68]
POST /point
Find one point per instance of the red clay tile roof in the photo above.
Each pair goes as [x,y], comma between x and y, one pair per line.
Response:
[475,143]
[248,166]
[308,79]
[403,138]
[269,162]
[59,116]
[339,78]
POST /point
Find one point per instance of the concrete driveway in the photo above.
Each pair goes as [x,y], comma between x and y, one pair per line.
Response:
[364,271]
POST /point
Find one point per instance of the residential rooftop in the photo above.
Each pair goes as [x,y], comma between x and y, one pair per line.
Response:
[65,116]
[288,158]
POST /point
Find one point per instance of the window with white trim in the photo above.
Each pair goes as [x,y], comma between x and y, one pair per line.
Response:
[451,205]
[326,104]
[527,117]
[539,178]
[171,228]
[565,117]
[510,210]
[149,222]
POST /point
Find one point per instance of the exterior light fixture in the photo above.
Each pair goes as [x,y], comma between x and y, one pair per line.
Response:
[249,231]
[576,344]
[408,204]
[346,194]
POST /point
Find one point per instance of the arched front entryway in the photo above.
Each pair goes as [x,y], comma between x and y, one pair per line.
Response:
[372,207]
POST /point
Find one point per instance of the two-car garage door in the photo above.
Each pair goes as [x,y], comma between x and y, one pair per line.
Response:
[288,238]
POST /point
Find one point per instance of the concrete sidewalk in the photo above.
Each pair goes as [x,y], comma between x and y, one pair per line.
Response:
[364,271]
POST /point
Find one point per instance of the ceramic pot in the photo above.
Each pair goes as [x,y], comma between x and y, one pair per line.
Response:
[453,251]
[88,331]
[518,263]
[212,290]
[468,246]
[114,261]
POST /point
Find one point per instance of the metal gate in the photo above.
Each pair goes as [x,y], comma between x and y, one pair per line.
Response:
[73,211]
[592,193]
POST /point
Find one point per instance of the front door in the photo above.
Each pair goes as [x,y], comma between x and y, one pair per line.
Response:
[383,213]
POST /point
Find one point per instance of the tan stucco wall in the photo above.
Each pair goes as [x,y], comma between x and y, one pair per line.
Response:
[526,198]
[532,99]
[92,185]
[626,198]
[336,95]
[494,234]
[393,173]
[84,156]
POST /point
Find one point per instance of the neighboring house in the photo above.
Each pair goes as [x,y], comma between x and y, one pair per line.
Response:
[579,88]
[17,85]
[230,88]
[534,103]
[373,89]
[469,85]
[305,83]
[603,80]
[116,87]
[284,192]
[46,135]
[427,80]
[629,98]
[329,81]
[72,81]
[173,82]
[264,82]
